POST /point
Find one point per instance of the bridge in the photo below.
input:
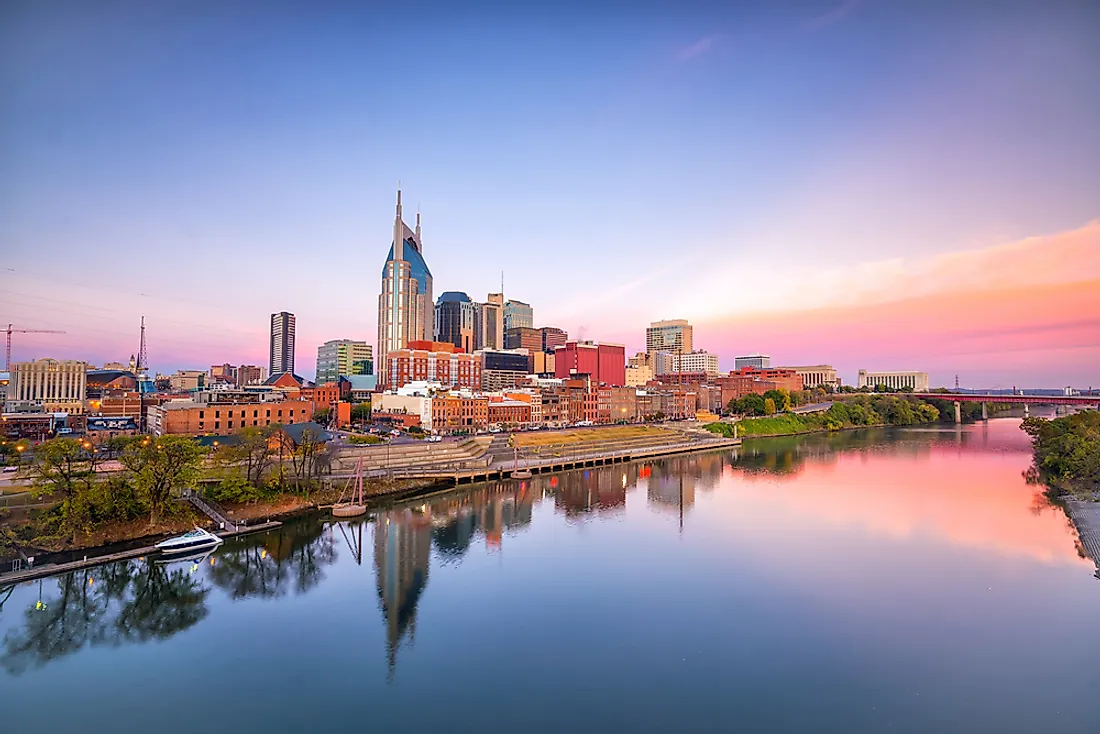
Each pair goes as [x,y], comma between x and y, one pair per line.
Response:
[1080,401]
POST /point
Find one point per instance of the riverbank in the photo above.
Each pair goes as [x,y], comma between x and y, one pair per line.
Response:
[849,412]
[1086,518]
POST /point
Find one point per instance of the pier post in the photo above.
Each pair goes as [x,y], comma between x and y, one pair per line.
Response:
[958,412]
[1027,410]
[985,412]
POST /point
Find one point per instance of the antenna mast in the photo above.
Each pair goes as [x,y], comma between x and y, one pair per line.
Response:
[142,356]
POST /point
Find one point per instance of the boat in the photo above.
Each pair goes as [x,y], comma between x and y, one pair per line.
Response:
[189,543]
[353,506]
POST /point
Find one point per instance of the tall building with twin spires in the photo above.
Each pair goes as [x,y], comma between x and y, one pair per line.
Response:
[405,307]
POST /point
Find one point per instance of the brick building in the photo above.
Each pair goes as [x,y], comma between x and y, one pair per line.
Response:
[198,418]
[509,413]
[432,362]
[750,380]
[604,363]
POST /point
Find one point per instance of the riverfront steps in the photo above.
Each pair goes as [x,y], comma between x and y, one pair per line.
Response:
[566,461]
[53,569]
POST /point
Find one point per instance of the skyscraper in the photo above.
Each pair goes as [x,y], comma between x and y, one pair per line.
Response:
[455,316]
[518,313]
[489,326]
[282,343]
[405,304]
[668,336]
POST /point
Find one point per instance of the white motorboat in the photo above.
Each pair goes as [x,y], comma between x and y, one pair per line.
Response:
[190,542]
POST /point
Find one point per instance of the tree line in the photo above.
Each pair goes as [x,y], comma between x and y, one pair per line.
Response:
[253,464]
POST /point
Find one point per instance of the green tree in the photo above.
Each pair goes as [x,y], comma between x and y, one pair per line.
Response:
[321,416]
[360,412]
[66,467]
[769,406]
[751,404]
[251,453]
[161,466]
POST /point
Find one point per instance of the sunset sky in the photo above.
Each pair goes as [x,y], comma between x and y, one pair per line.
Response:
[868,184]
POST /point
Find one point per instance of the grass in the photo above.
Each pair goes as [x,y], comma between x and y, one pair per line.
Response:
[588,436]
[774,425]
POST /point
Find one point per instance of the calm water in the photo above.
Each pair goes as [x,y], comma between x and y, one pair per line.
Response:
[904,581]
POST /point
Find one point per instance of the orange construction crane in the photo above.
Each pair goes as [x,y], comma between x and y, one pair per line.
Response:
[9,331]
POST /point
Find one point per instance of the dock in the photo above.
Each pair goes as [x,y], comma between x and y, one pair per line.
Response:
[53,569]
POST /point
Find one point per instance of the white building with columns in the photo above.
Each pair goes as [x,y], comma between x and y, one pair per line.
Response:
[47,385]
[917,381]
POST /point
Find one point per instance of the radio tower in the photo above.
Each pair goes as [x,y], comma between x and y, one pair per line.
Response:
[142,356]
[956,376]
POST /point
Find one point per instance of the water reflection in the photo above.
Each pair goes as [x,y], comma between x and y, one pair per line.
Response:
[868,478]
[132,601]
[273,564]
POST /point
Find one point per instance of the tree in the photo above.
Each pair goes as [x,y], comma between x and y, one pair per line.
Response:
[321,416]
[769,406]
[66,466]
[781,398]
[308,458]
[360,412]
[161,466]
[751,404]
[252,452]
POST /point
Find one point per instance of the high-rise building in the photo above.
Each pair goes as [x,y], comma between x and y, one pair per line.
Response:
[552,337]
[759,361]
[47,385]
[669,336]
[343,358]
[405,303]
[518,313]
[455,318]
[489,326]
[282,343]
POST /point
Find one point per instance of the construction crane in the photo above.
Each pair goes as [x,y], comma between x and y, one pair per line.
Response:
[9,331]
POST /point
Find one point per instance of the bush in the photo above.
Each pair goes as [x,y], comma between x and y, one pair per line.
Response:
[722,429]
[234,488]
[369,439]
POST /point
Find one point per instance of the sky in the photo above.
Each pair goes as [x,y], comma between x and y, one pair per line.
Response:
[875,184]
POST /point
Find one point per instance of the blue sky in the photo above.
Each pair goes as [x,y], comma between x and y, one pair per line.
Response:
[208,163]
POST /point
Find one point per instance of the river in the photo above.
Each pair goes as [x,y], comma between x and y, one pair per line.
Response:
[886,580]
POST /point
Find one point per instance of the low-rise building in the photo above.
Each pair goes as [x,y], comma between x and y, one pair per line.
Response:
[188,380]
[198,416]
[508,413]
[459,411]
[819,375]
[638,375]
[750,380]
[391,404]
[915,381]
[757,361]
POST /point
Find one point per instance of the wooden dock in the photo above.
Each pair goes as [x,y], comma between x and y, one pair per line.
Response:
[53,569]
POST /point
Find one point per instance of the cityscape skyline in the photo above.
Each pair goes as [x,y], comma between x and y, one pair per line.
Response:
[982,260]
